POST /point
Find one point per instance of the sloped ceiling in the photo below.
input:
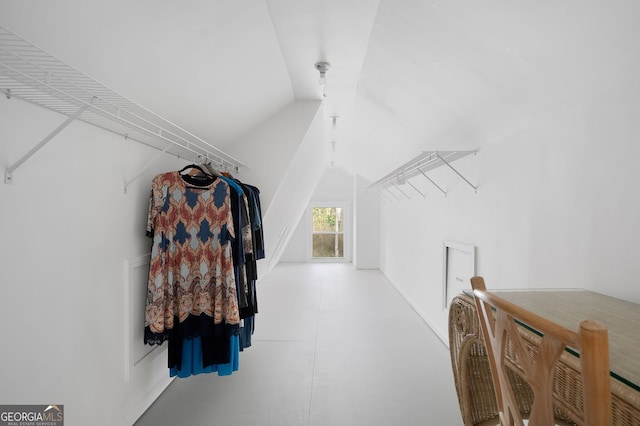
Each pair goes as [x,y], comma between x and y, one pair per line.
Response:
[406,75]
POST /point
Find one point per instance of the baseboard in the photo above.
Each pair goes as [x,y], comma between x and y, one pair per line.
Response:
[146,402]
[441,335]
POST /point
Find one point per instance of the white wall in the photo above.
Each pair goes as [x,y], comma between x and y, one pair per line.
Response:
[269,149]
[286,157]
[72,239]
[335,185]
[338,185]
[68,230]
[557,206]
[366,247]
[296,249]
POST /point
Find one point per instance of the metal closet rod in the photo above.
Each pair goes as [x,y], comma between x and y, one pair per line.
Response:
[203,159]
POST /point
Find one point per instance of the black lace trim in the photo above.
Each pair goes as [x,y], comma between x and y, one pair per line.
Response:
[151,338]
[193,326]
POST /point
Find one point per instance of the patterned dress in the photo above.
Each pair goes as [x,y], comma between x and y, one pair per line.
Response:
[191,287]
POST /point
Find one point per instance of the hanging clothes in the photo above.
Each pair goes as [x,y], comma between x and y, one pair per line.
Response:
[206,230]
[250,221]
[191,288]
[193,363]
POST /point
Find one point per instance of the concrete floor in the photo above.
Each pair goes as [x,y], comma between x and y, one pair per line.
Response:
[333,346]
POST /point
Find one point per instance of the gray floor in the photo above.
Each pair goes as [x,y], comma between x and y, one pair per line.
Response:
[333,346]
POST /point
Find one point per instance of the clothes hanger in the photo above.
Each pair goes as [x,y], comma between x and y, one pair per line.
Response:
[209,167]
[194,170]
[226,173]
[197,177]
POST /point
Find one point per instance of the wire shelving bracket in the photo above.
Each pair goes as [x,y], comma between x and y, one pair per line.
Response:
[31,74]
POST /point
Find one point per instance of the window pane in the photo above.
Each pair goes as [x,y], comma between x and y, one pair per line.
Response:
[339,219]
[328,245]
[324,219]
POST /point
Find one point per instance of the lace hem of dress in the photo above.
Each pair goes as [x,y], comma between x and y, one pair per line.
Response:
[151,338]
[193,326]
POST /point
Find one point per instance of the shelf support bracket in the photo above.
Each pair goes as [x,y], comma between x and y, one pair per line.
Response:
[416,189]
[391,193]
[401,191]
[458,173]
[384,196]
[432,182]
[144,169]
[8,174]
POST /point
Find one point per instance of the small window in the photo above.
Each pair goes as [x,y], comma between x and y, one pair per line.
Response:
[328,233]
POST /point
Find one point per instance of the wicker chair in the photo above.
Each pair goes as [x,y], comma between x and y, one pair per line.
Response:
[499,323]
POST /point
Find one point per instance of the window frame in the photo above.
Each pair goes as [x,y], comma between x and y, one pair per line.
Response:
[346,231]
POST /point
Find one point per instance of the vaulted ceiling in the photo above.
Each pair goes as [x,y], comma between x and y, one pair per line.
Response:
[405,76]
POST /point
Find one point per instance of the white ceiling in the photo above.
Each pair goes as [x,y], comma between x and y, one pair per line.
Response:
[406,75]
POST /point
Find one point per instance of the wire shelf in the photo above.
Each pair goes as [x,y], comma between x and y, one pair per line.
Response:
[30,74]
[419,166]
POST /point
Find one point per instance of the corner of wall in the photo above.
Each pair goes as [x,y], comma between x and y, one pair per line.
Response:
[366,226]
